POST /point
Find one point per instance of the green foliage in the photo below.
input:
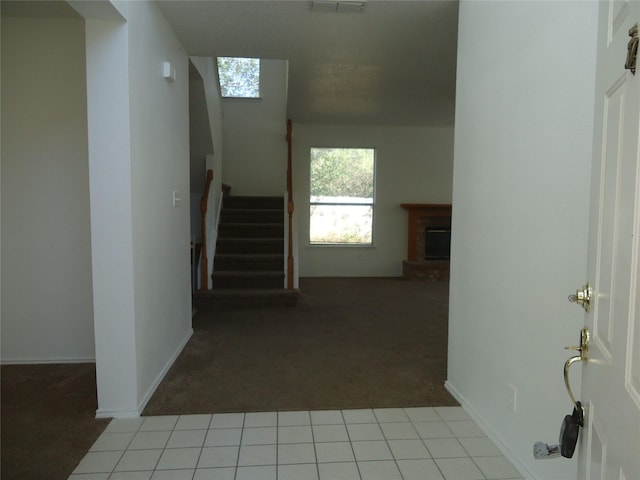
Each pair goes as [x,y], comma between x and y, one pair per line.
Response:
[342,172]
[239,77]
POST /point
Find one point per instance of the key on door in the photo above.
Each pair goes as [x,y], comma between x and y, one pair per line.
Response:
[570,430]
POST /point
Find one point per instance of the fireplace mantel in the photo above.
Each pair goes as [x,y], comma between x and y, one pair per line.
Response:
[416,212]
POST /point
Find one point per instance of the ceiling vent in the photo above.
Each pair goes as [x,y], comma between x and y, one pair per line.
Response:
[337,6]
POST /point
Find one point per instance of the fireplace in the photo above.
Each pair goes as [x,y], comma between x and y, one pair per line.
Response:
[437,243]
[428,242]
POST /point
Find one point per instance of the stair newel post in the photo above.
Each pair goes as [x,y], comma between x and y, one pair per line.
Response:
[204,261]
[289,209]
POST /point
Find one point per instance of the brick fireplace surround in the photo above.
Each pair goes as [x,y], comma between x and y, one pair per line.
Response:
[422,216]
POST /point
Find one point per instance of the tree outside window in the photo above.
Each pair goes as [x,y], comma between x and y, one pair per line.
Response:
[239,77]
[342,196]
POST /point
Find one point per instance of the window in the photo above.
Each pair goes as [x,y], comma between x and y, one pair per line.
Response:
[342,196]
[239,77]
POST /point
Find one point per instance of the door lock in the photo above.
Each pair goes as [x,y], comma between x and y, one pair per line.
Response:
[582,297]
[572,423]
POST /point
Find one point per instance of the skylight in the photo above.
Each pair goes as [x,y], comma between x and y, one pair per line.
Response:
[239,77]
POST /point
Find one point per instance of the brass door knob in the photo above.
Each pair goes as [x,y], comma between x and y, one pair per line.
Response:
[582,297]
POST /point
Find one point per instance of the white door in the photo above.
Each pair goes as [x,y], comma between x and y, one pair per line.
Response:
[609,448]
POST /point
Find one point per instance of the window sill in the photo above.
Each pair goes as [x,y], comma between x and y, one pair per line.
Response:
[341,245]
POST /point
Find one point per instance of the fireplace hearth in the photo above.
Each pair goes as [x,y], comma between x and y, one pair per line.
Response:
[428,242]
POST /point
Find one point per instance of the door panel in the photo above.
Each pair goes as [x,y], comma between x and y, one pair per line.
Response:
[610,445]
[613,122]
[633,352]
[598,447]
[618,12]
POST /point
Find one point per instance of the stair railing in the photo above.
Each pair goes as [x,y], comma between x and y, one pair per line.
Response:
[289,209]
[204,262]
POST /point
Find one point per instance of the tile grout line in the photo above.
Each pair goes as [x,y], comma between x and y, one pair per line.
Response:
[204,440]
[355,459]
[244,421]
[425,443]
[126,448]
[277,440]
[395,460]
[423,440]
[313,439]
[154,470]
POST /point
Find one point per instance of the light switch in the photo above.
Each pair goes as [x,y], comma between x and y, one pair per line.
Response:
[176,198]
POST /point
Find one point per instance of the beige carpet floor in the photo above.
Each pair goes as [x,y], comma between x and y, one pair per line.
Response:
[350,343]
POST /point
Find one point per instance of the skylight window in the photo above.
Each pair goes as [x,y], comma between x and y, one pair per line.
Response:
[239,77]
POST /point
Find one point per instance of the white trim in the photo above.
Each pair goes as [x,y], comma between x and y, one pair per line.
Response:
[46,361]
[163,372]
[117,414]
[484,426]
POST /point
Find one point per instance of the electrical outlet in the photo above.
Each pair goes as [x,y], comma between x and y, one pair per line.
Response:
[512,398]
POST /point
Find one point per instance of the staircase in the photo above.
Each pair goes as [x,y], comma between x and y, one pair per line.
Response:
[249,261]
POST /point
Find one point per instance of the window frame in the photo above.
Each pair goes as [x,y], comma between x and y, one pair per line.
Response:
[371,204]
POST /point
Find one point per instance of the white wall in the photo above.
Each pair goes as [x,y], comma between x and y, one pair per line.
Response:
[524,114]
[47,308]
[413,165]
[110,190]
[160,165]
[254,136]
[207,69]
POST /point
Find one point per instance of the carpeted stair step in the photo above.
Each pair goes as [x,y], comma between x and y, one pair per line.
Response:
[249,259]
[251,230]
[264,261]
[251,215]
[249,245]
[253,202]
[207,300]
[248,279]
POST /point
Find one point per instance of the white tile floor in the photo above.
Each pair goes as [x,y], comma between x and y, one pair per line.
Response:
[440,443]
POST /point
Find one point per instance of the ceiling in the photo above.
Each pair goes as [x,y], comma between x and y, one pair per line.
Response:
[392,64]
[37,8]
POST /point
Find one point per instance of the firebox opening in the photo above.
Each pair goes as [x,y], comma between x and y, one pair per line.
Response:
[437,243]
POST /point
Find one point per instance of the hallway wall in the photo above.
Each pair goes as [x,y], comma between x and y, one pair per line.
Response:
[524,120]
[47,306]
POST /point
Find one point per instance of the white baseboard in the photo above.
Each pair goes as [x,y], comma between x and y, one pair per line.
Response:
[46,361]
[117,414]
[163,372]
[484,426]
